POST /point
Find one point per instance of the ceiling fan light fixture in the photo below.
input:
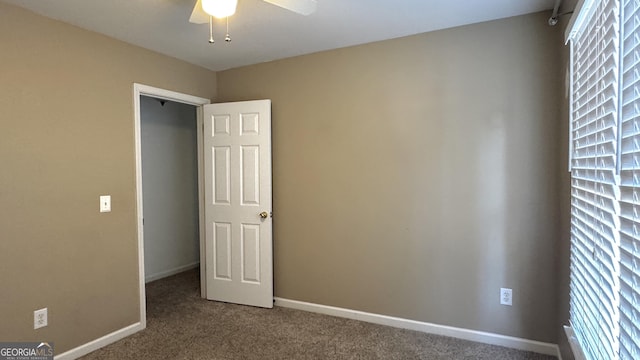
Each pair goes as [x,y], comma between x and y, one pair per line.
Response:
[220,8]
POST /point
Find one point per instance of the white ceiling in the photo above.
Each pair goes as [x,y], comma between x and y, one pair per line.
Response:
[264,32]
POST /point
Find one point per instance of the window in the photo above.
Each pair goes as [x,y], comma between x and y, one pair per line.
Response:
[629,151]
[605,178]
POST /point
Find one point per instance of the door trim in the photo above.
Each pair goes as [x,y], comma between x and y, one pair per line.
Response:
[138,90]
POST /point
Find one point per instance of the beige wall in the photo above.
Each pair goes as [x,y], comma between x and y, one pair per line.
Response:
[417,176]
[66,137]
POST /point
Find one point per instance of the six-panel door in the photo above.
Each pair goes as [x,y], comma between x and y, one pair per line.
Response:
[237,165]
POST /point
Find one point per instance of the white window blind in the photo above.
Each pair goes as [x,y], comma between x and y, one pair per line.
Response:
[630,181]
[595,191]
[605,165]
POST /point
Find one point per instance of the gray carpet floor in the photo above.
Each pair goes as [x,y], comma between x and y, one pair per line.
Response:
[181,325]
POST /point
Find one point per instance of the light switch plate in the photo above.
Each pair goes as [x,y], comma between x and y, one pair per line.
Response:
[105,203]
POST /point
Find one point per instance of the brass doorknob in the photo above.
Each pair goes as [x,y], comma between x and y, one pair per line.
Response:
[264,214]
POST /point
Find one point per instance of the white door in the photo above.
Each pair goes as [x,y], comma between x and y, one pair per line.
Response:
[237,165]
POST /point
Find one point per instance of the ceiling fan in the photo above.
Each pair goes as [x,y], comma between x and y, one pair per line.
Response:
[205,10]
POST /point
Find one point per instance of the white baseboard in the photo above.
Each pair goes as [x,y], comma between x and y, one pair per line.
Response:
[163,274]
[465,334]
[99,343]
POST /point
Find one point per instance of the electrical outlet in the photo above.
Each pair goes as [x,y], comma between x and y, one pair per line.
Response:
[40,318]
[506,297]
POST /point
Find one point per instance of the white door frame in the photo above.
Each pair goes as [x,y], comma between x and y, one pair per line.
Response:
[138,90]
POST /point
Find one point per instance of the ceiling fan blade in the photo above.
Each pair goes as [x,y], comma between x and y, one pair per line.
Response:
[198,16]
[302,7]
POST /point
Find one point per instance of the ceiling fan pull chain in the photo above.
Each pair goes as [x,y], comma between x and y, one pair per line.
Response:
[227,38]
[211,41]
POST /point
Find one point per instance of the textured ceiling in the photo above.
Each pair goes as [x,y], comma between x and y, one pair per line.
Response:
[264,32]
